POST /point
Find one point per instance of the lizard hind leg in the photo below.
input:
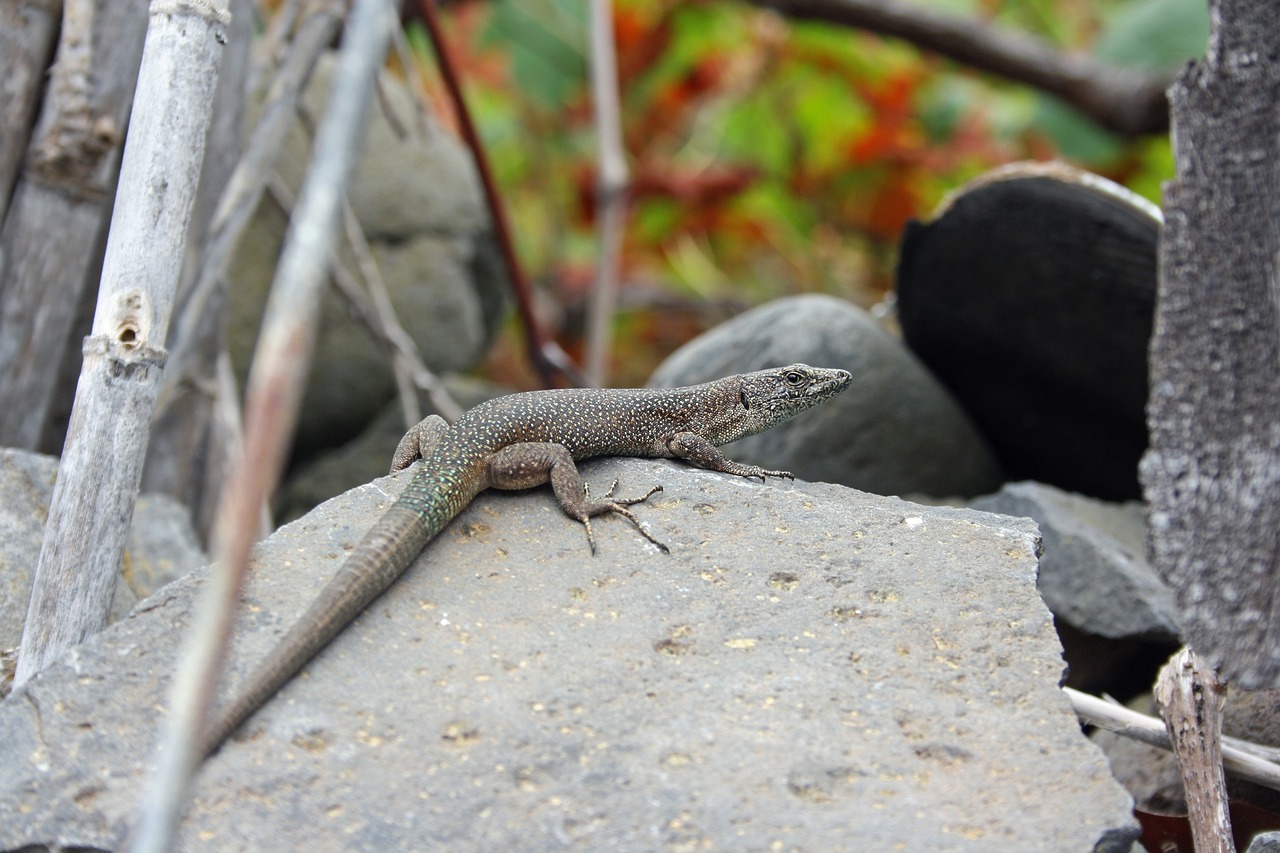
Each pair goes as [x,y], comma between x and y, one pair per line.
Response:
[618,506]
[529,464]
[418,442]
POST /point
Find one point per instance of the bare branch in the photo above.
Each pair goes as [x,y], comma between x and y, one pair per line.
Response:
[1125,100]
[51,241]
[1191,699]
[376,312]
[1242,759]
[611,189]
[27,34]
[244,189]
[546,355]
[93,502]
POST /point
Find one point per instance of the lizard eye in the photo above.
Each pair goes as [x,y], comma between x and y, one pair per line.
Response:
[746,404]
[794,378]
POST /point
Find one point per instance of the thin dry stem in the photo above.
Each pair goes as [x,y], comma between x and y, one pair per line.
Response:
[274,393]
[611,187]
[1191,699]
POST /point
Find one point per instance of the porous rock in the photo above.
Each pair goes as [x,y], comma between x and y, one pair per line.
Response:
[894,431]
[161,546]
[809,668]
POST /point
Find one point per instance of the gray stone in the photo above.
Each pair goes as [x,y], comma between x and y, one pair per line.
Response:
[1266,842]
[1093,574]
[417,197]
[810,668]
[161,546]
[895,431]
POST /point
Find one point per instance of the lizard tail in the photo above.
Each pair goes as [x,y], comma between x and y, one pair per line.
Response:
[381,557]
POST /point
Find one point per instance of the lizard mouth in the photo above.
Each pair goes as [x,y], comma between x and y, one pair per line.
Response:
[836,383]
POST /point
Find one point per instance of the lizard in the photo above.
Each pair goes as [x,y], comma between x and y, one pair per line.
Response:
[520,441]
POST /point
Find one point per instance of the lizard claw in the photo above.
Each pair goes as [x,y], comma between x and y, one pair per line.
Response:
[619,506]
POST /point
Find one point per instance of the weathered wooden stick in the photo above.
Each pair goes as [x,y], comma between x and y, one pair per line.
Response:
[1191,699]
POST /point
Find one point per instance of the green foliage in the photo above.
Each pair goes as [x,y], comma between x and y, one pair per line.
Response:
[544,40]
[770,156]
[1155,33]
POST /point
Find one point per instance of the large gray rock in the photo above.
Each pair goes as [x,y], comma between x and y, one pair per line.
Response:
[810,668]
[1094,573]
[416,195]
[161,547]
[895,431]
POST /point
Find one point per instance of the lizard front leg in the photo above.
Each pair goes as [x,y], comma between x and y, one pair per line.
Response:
[529,464]
[695,449]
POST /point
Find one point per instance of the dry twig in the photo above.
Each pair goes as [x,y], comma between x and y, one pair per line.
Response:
[275,390]
[1125,100]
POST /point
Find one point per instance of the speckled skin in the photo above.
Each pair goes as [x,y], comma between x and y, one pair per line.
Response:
[521,441]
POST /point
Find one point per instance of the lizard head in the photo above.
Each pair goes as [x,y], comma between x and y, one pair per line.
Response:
[768,397]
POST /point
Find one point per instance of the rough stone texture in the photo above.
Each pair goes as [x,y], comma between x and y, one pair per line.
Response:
[419,202]
[161,545]
[1212,474]
[810,668]
[895,431]
[1093,573]
[1267,842]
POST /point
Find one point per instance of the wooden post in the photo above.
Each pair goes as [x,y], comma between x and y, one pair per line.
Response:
[1212,472]
[101,465]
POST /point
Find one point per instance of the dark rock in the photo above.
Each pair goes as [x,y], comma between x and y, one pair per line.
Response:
[1030,295]
[1093,573]
[893,431]
[811,667]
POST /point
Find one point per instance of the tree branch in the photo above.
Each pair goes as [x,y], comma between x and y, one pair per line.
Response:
[1124,100]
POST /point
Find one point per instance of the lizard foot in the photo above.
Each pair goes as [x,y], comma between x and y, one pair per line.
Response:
[753,471]
[618,506]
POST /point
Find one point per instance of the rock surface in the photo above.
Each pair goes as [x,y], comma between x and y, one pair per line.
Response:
[1094,573]
[416,195]
[1267,842]
[810,668]
[161,546]
[894,431]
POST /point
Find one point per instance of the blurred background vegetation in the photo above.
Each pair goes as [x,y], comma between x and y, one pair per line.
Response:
[768,156]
